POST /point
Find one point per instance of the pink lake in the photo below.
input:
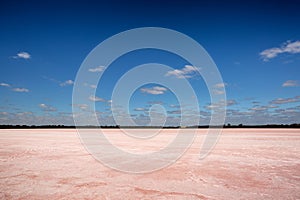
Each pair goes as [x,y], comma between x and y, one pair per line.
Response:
[245,164]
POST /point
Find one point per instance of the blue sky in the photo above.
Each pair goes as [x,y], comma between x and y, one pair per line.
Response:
[256,46]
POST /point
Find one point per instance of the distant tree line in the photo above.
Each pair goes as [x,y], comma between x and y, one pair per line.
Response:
[164,127]
[263,126]
[50,126]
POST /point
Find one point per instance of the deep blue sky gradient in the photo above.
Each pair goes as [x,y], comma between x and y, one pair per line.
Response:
[59,35]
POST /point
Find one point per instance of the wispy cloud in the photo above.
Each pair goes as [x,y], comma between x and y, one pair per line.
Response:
[290,83]
[218,92]
[14,89]
[287,47]
[174,112]
[60,83]
[259,108]
[174,106]
[221,104]
[154,90]
[97,69]
[285,100]
[96,99]
[67,82]
[23,55]
[187,72]
[155,102]
[219,88]
[4,84]
[20,90]
[47,108]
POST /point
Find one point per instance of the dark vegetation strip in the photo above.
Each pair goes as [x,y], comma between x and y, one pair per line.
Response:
[150,127]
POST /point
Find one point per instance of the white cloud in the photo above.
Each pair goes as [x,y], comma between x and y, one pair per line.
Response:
[90,85]
[230,102]
[218,92]
[42,105]
[47,108]
[270,53]
[4,85]
[272,106]
[212,106]
[20,90]
[23,55]
[81,106]
[220,85]
[97,69]
[96,99]
[67,82]
[154,90]
[292,47]
[287,47]
[290,83]
[140,109]
[187,72]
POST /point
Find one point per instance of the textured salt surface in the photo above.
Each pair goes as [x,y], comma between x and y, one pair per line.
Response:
[245,164]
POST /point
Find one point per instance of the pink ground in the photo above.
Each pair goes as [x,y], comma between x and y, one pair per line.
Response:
[245,164]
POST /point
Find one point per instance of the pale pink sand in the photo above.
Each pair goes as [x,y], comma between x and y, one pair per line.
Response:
[245,164]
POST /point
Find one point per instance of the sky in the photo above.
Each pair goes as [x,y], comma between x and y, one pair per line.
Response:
[254,44]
